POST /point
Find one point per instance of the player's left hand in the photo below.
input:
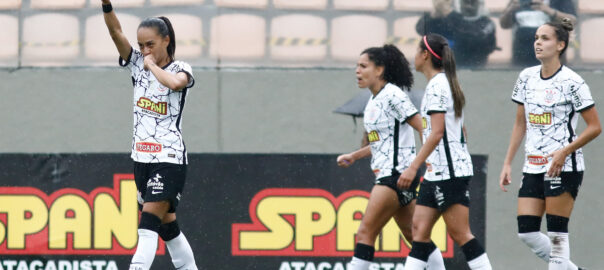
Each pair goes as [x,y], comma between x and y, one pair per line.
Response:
[149,61]
[557,162]
[406,178]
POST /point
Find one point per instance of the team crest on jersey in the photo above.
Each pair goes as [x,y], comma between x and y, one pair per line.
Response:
[373,136]
[540,119]
[147,147]
[152,107]
[550,96]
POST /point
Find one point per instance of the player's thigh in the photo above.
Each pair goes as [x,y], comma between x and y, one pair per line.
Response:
[561,205]
[424,218]
[383,203]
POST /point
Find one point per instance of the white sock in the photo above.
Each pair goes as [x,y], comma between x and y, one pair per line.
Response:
[359,264]
[414,264]
[181,253]
[560,253]
[145,250]
[435,260]
[540,244]
[480,263]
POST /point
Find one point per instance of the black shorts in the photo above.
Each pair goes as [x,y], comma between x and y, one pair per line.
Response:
[538,186]
[404,196]
[442,194]
[157,182]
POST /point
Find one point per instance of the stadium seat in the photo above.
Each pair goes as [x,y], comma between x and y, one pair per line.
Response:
[10,4]
[351,34]
[175,2]
[58,4]
[50,39]
[496,5]
[125,3]
[237,36]
[591,41]
[405,37]
[241,3]
[412,5]
[9,51]
[591,6]
[504,39]
[189,37]
[98,45]
[297,4]
[298,37]
[361,4]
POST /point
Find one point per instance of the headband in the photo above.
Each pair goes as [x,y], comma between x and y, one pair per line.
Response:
[430,49]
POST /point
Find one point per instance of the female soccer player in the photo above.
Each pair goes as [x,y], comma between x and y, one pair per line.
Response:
[158,150]
[444,190]
[389,120]
[550,96]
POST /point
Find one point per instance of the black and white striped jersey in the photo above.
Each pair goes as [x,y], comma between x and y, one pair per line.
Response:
[451,155]
[157,113]
[552,106]
[384,120]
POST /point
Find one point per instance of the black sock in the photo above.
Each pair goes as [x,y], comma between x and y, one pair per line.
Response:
[472,249]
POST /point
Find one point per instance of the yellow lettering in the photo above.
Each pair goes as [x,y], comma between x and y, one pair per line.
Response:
[347,226]
[107,210]
[18,226]
[280,233]
[60,225]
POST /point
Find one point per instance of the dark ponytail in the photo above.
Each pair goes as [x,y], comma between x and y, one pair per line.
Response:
[164,29]
[396,66]
[442,57]
[562,29]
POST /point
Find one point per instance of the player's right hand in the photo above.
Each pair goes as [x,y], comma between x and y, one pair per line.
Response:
[106,2]
[345,160]
[505,178]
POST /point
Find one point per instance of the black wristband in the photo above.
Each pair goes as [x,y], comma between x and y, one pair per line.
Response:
[107,8]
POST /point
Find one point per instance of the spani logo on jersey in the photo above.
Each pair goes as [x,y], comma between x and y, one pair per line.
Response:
[153,107]
[69,221]
[540,119]
[314,223]
[373,136]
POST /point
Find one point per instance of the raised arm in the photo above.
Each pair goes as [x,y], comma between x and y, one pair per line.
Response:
[507,17]
[115,31]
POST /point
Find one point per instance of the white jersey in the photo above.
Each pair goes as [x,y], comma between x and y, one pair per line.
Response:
[157,113]
[551,107]
[384,118]
[451,154]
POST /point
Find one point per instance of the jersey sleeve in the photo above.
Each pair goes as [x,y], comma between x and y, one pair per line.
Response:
[401,106]
[135,61]
[436,99]
[581,96]
[518,92]
[186,68]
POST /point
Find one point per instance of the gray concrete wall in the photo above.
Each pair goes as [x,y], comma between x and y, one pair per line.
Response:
[286,111]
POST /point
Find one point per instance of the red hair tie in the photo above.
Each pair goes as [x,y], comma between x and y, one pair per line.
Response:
[430,49]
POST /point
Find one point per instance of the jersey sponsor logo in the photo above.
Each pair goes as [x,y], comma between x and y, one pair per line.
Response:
[314,223]
[424,123]
[373,136]
[536,160]
[147,147]
[540,119]
[69,221]
[148,105]
[576,97]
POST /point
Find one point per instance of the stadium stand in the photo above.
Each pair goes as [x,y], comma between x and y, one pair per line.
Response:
[405,37]
[50,39]
[504,39]
[298,37]
[361,4]
[58,4]
[10,4]
[591,6]
[189,35]
[496,5]
[237,36]
[591,40]
[175,2]
[412,5]
[241,3]
[9,51]
[297,4]
[353,33]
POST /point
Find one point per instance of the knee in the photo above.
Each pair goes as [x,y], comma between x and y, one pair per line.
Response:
[460,235]
[366,234]
[420,232]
